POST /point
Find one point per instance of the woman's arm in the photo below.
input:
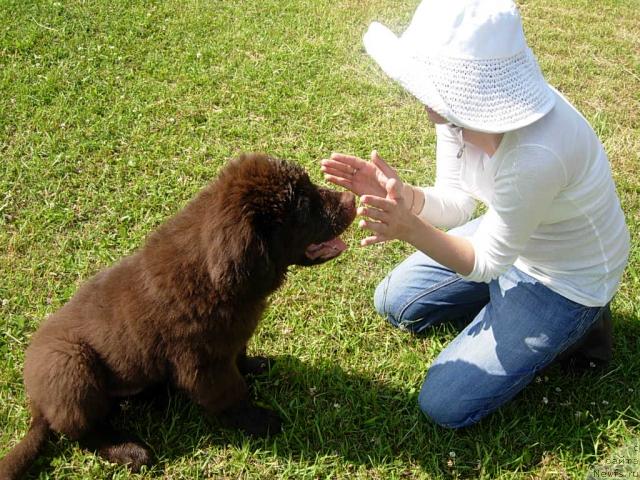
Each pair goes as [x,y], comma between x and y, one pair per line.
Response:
[523,195]
[446,203]
[390,218]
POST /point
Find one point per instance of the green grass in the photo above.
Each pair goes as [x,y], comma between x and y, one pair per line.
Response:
[113,114]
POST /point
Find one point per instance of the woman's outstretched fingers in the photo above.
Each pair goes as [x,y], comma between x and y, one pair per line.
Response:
[349,160]
[387,217]
[337,172]
[341,181]
[335,165]
[374,214]
[382,165]
[377,227]
[377,202]
[372,239]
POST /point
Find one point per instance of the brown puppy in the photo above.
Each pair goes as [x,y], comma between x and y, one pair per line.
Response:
[179,311]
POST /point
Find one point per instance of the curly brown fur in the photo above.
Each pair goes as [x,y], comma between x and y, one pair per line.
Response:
[180,310]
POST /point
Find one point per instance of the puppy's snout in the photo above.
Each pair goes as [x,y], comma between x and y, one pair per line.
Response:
[348,203]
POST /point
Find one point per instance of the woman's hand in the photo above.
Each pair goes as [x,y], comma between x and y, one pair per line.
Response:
[360,176]
[389,218]
[390,203]
[391,210]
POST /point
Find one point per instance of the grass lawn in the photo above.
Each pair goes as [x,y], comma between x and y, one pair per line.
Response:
[113,114]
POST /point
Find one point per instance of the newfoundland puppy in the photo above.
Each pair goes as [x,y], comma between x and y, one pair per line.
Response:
[179,311]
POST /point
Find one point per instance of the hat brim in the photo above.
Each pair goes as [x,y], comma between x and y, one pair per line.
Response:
[384,47]
[432,80]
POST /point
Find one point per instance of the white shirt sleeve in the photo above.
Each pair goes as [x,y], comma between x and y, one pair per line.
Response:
[446,204]
[523,192]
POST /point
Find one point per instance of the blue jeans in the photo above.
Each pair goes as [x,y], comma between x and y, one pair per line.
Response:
[515,326]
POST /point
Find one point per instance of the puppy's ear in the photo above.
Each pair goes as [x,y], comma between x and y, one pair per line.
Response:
[238,256]
[267,209]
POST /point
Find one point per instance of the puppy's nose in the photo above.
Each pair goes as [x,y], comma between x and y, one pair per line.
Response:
[347,197]
[348,202]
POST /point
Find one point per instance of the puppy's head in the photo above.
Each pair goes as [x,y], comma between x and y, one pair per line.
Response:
[284,211]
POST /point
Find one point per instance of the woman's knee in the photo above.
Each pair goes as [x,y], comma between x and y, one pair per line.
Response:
[442,398]
[380,296]
[391,303]
[440,408]
[393,293]
[419,293]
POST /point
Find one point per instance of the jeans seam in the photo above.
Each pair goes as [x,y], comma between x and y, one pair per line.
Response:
[385,291]
[423,294]
[585,312]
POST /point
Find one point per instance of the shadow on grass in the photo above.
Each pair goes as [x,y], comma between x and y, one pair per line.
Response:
[333,416]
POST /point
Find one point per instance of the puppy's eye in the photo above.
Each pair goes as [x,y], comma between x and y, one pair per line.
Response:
[303,209]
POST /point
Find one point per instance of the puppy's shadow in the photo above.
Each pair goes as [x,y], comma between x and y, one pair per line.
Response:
[351,418]
[330,412]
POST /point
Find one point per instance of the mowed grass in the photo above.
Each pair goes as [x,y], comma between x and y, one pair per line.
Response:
[113,114]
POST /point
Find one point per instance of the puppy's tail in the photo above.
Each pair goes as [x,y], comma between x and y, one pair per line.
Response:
[18,460]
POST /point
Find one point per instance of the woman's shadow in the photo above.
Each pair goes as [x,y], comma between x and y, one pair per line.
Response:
[331,415]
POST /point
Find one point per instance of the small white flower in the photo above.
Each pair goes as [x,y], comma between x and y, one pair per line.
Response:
[452,454]
[558,389]
[593,404]
[5,302]
[604,402]
[545,400]
[592,365]
[199,55]
[336,405]
[546,379]
[630,389]
[538,380]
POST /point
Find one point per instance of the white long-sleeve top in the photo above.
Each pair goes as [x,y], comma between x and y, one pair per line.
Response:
[552,207]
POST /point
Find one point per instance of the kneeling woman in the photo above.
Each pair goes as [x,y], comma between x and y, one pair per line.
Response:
[537,271]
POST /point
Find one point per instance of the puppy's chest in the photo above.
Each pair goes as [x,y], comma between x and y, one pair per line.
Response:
[224,326]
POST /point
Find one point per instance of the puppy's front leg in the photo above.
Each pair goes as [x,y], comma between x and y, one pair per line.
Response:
[222,392]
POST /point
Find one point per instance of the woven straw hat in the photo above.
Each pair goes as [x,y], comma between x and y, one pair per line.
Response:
[469,61]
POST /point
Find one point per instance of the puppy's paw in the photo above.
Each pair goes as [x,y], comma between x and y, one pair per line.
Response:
[132,454]
[251,420]
[254,365]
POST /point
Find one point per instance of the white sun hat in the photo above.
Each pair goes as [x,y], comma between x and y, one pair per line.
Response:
[469,61]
